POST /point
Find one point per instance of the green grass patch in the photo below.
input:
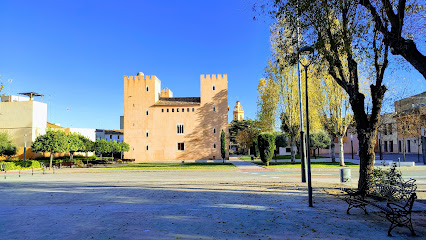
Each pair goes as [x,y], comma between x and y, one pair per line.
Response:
[156,166]
[313,165]
[282,157]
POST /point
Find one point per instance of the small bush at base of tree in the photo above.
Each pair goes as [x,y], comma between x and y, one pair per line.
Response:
[266,141]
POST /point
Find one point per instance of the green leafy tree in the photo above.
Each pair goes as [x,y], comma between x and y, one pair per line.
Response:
[51,142]
[318,140]
[7,147]
[266,142]
[102,146]
[75,144]
[280,141]
[246,138]
[237,126]
[267,104]
[351,45]
[88,146]
[124,147]
[223,145]
[115,147]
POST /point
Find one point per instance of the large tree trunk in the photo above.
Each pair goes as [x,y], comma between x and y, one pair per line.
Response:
[293,152]
[341,151]
[51,160]
[332,150]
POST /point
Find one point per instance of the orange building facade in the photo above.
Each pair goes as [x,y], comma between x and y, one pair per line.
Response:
[160,127]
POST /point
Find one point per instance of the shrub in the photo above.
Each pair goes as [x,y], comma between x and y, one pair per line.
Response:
[266,141]
[15,165]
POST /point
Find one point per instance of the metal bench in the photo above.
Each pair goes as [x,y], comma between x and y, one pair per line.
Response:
[391,195]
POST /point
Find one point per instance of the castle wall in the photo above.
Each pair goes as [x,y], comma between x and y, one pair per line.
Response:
[161,122]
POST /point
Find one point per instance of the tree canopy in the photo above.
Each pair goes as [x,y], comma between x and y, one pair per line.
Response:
[7,146]
[53,142]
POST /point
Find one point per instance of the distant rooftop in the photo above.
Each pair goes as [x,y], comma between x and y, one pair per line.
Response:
[178,101]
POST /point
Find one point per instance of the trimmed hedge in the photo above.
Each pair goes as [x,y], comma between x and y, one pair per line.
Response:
[266,141]
[15,165]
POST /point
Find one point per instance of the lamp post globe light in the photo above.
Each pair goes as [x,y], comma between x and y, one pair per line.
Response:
[307,49]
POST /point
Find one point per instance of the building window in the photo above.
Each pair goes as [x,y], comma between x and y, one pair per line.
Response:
[187,109]
[146,134]
[288,150]
[179,128]
[133,149]
[177,109]
[214,145]
[162,110]
[110,136]
[385,146]
[173,110]
[183,109]
[181,146]
[214,130]
[133,105]
[399,146]
[147,147]
[214,108]
[192,109]
[146,112]
[390,146]
[118,136]
[408,146]
[214,87]
[147,88]
[167,110]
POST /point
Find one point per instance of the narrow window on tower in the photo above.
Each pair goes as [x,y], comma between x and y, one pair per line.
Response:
[146,112]
[167,110]
[147,88]
[214,130]
[181,146]
[162,110]
[214,87]
[187,109]
[214,108]
[214,145]
[179,128]
[192,109]
[147,147]
[183,109]
[173,110]
[146,133]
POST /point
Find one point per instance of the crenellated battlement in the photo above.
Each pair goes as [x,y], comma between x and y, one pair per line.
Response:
[166,93]
[141,77]
[213,76]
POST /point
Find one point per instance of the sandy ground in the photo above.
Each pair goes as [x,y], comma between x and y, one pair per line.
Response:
[186,204]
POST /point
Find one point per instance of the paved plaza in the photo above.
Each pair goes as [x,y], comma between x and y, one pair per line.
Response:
[242,203]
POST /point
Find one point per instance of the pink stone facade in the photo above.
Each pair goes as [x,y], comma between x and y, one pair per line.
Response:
[160,127]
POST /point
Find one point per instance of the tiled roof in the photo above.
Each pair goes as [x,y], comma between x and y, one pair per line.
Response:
[178,101]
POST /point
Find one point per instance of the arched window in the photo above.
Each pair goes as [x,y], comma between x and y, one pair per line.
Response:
[214,87]
[147,89]
[214,108]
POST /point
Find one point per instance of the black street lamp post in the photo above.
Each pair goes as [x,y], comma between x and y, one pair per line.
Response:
[307,49]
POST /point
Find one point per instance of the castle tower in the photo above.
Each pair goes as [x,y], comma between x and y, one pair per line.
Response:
[238,112]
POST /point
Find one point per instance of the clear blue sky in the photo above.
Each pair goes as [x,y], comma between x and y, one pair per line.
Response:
[77,52]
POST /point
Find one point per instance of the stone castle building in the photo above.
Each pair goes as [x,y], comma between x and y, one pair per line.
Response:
[159,127]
